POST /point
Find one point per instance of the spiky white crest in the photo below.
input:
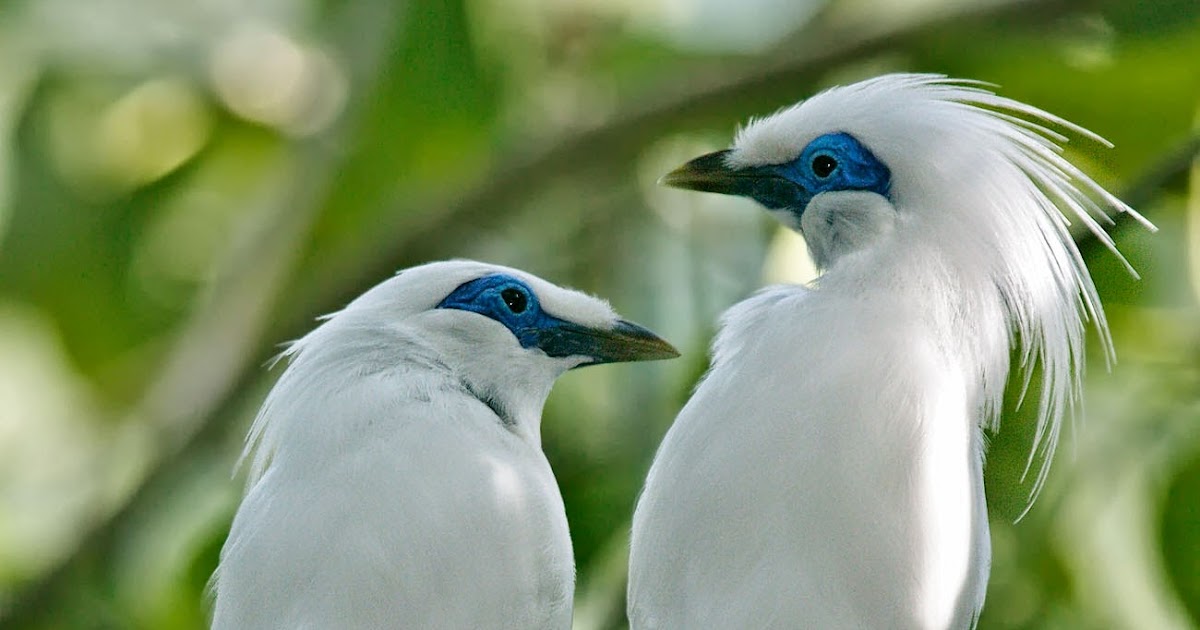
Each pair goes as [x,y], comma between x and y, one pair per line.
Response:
[981,180]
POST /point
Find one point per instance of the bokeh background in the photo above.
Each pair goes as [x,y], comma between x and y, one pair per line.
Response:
[186,184]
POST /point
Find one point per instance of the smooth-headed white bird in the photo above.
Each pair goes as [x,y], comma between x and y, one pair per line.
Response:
[397,478]
[828,471]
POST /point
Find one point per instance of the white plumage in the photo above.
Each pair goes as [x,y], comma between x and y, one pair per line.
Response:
[828,471]
[398,479]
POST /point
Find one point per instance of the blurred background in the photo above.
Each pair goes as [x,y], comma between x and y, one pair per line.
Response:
[186,184]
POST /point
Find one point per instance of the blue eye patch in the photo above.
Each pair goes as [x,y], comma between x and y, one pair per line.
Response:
[507,300]
[832,162]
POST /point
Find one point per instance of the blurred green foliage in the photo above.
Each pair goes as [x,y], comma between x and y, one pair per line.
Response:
[185,185]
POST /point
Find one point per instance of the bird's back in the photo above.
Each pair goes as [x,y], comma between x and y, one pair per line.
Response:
[782,496]
[426,513]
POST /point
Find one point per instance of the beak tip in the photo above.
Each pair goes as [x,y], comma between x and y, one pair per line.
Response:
[674,178]
[620,342]
[644,345]
[659,352]
[682,179]
[707,173]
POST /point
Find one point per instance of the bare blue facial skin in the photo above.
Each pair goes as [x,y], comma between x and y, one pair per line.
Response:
[513,304]
[832,162]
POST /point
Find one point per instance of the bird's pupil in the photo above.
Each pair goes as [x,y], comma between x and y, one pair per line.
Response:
[823,165]
[515,300]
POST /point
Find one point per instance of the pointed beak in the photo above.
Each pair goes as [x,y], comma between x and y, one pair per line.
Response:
[707,173]
[624,341]
[712,173]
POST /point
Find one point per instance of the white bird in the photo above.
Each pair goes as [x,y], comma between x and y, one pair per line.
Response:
[398,479]
[828,471]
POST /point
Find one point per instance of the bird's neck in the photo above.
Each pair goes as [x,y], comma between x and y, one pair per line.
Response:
[954,302]
[519,411]
[947,324]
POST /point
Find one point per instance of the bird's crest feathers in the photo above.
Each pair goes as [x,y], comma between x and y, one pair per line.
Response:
[990,187]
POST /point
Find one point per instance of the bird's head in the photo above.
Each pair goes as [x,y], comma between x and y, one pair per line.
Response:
[506,335]
[827,184]
[947,160]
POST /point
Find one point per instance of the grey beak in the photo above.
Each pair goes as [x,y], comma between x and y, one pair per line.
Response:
[707,173]
[625,341]
[712,173]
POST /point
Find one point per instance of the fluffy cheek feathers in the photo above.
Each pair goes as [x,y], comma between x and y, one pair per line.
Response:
[844,222]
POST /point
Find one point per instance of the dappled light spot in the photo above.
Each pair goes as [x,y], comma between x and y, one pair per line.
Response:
[152,130]
[787,260]
[104,140]
[265,76]
[59,464]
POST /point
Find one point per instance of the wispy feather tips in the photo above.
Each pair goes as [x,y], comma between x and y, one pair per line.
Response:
[986,180]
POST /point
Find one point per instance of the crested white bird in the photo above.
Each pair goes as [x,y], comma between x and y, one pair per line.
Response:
[828,471]
[397,478]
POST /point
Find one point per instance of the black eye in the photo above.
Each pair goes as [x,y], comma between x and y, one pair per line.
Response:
[823,165]
[515,299]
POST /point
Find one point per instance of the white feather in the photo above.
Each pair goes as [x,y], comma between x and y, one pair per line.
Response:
[827,473]
[383,493]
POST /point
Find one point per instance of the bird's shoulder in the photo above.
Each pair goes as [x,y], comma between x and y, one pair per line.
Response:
[747,318]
